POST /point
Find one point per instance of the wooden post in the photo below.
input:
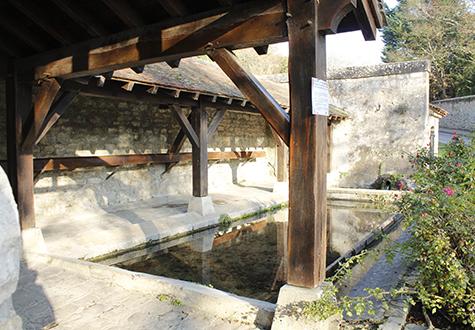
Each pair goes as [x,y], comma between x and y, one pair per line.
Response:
[308,149]
[200,152]
[20,158]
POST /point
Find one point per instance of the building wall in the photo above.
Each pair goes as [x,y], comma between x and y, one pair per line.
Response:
[461,117]
[94,126]
[388,107]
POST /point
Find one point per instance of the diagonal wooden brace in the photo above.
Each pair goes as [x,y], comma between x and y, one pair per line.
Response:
[250,87]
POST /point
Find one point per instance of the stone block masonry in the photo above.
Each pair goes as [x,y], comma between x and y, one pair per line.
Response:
[95,126]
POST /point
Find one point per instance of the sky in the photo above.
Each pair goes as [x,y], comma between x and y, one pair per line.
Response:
[348,49]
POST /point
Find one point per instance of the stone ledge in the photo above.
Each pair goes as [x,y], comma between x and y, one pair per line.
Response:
[379,70]
[219,303]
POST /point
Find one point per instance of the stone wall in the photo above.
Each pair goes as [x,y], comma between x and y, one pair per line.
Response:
[388,107]
[94,126]
[461,117]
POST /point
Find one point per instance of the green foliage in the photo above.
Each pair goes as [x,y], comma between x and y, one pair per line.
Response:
[441,31]
[225,222]
[440,215]
[170,299]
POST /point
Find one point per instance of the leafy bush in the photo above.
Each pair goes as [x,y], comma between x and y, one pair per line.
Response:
[440,215]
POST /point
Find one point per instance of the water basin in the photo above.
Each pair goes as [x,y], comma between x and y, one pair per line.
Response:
[248,259]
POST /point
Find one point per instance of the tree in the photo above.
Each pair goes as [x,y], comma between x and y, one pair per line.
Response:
[442,31]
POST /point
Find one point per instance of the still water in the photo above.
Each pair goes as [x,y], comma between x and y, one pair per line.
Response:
[248,259]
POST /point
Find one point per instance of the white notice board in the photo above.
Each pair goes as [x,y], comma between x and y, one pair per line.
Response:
[320,97]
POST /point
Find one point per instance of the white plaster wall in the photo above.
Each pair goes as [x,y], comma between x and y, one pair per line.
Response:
[388,117]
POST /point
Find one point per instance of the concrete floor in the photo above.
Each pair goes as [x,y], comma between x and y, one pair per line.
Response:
[96,233]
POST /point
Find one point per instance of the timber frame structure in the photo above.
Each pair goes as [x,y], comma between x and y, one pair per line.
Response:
[52,52]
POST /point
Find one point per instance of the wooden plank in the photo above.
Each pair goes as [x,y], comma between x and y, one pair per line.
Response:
[72,163]
[127,14]
[307,177]
[186,125]
[248,25]
[177,145]
[57,110]
[200,152]
[174,8]
[20,160]
[81,17]
[28,9]
[21,32]
[217,119]
[46,93]
[252,89]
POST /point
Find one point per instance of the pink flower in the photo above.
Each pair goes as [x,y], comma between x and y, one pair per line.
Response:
[458,164]
[448,191]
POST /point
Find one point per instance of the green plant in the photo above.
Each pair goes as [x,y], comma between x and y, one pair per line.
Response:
[224,221]
[170,299]
[440,215]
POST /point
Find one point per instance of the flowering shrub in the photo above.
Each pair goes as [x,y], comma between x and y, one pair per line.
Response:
[440,214]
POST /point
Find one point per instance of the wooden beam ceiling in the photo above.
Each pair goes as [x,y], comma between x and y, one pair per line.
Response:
[127,14]
[174,8]
[30,10]
[81,17]
[21,32]
[255,24]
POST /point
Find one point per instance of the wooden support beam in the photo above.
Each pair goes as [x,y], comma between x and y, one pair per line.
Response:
[200,152]
[174,64]
[127,14]
[217,119]
[252,89]
[262,50]
[46,93]
[282,159]
[58,108]
[247,25]
[177,145]
[72,163]
[138,69]
[77,14]
[174,8]
[186,125]
[307,183]
[20,159]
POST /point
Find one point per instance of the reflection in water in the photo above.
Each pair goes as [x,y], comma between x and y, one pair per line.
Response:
[249,260]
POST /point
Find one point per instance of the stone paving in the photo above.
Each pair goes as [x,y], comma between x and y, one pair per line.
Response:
[97,233]
[50,297]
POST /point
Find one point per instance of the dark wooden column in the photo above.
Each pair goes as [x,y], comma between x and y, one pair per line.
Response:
[20,158]
[200,152]
[308,143]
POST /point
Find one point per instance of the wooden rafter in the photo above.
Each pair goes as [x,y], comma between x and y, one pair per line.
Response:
[174,8]
[127,14]
[21,32]
[255,24]
[112,89]
[28,9]
[77,14]
[254,91]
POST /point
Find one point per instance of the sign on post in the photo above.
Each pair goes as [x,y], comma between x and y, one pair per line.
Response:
[320,97]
